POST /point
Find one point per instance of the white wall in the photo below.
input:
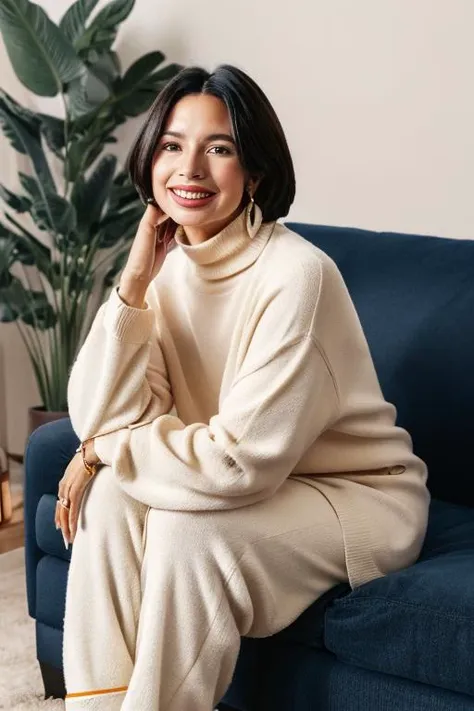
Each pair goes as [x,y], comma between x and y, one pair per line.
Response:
[375,98]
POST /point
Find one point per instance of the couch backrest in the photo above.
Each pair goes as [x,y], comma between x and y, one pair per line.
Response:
[415,299]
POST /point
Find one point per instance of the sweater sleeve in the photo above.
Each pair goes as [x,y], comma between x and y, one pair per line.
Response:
[279,403]
[119,376]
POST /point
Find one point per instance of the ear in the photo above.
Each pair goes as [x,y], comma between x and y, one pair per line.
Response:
[252,185]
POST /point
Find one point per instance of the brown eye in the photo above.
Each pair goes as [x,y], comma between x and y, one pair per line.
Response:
[220,150]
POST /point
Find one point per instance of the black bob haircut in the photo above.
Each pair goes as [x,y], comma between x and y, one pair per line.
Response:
[260,140]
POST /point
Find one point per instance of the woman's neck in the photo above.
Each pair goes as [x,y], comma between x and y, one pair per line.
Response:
[201,233]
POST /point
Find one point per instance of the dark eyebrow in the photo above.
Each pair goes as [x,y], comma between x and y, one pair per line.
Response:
[211,137]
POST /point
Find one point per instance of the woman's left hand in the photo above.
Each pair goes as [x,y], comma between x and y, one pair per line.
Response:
[71,487]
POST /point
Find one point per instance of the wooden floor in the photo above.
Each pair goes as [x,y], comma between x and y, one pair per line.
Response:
[12,533]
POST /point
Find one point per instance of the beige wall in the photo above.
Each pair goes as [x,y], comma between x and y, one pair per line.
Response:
[375,98]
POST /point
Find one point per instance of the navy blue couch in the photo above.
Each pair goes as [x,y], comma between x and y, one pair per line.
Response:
[402,642]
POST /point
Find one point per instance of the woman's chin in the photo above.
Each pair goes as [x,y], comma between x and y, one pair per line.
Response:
[191,218]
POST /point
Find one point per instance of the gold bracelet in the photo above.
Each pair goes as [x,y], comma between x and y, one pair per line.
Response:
[90,468]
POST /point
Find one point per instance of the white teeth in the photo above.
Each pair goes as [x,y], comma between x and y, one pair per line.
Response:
[191,196]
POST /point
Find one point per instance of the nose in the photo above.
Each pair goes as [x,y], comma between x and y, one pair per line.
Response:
[191,166]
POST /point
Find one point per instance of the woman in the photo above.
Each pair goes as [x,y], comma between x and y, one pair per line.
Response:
[248,460]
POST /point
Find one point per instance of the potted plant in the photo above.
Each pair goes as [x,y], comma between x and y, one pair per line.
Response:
[78,227]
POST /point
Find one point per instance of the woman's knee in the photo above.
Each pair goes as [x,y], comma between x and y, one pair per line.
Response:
[189,539]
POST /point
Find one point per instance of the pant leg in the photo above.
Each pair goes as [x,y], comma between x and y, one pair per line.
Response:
[209,578]
[103,596]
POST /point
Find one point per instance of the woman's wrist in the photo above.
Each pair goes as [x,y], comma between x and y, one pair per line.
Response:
[132,294]
[90,453]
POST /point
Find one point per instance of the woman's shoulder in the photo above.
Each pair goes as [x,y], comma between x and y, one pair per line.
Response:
[291,256]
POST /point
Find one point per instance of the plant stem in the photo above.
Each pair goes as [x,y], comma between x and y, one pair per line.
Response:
[66,146]
[42,383]
[36,327]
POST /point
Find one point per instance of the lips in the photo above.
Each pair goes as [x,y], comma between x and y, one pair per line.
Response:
[192,196]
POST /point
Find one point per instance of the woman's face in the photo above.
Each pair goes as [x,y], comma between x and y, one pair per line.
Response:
[197,177]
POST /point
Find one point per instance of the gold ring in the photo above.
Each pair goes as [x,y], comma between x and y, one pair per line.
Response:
[64,502]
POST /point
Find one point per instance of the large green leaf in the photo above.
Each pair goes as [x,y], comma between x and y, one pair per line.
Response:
[122,193]
[13,248]
[32,307]
[119,226]
[84,150]
[102,120]
[73,23]
[25,117]
[30,185]
[166,73]
[134,98]
[137,102]
[22,253]
[105,65]
[89,196]
[27,243]
[26,139]
[86,93]
[38,313]
[52,129]
[19,203]
[42,56]
[7,256]
[9,310]
[50,211]
[141,69]
[55,214]
[101,33]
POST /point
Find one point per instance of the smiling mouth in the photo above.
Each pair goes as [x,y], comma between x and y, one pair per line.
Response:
[191,195]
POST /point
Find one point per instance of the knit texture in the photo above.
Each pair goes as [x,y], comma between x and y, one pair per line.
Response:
[249,365]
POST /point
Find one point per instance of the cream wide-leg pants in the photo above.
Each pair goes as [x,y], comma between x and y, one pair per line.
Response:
[157,600]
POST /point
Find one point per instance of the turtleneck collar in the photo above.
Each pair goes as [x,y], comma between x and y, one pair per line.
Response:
[229,251]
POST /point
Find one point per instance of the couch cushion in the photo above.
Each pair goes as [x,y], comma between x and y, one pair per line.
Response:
[417,623]
[303,679]
[47,538]
[308,628]
[51,578]
[415,300]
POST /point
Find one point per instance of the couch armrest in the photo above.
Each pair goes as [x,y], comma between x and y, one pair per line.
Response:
[49,450]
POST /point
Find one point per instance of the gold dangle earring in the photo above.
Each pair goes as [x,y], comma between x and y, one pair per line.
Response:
[254,217]
[251,210]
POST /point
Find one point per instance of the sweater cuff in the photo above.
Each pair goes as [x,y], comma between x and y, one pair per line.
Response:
[106,445]
[127,323]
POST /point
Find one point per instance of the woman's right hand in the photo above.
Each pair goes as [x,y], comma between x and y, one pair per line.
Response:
[148,252]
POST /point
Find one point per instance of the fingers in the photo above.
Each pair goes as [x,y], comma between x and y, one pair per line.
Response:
[160,235]
[60,515]
[76,494]
[74,515]
[162,218]
[165,235]
[64,523]
[71,488]
[57,521]
[154,215]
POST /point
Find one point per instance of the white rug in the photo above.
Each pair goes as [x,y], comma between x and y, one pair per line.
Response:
[21,687]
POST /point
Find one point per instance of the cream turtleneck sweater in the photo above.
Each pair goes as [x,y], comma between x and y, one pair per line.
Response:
[247,366]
